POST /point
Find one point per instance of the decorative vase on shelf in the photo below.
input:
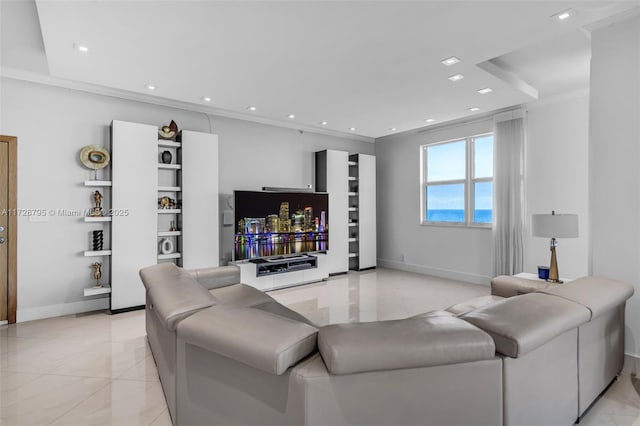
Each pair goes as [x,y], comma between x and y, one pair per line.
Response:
[97,240]
[166,157]
[166,246]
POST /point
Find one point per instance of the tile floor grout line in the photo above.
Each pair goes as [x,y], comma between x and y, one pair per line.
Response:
[81,401]
[159,415]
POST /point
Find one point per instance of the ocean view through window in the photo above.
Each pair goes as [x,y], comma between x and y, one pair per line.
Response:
[457,181]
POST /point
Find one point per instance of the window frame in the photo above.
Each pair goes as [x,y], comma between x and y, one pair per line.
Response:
[468,183]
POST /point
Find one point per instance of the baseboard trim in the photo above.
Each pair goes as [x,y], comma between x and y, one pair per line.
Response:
[129,309]
[41,312]
[436,272]
[631,364]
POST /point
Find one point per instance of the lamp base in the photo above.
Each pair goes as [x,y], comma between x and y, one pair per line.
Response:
[553,268]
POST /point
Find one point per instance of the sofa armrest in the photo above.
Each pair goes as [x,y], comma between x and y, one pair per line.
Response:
[215,277]
[599,295]
[251,336]
[178,299]
[158,274]
[409,343]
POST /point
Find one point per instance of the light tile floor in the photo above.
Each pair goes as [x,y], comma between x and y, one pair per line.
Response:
[97,369]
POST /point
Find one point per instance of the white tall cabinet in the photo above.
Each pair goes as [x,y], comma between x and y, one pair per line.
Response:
[200,240]
[332,172]
[138,180]
[134,173]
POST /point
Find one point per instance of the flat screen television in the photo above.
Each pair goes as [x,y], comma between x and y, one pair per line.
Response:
[269,224]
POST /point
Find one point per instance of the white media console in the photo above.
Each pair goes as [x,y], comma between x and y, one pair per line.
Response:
[285,271]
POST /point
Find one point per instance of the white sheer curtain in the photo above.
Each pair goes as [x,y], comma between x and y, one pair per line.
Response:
[508,192]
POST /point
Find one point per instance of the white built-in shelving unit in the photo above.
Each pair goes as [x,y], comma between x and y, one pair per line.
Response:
[134,173]
[139,178]
[362,211]
[350,181]
[170,185]
[104,186]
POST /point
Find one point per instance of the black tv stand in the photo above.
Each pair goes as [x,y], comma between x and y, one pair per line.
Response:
[283,264]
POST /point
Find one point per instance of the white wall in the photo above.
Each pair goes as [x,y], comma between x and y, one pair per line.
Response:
[557,179]
[52,124]
[614,171]
[403,243]
[254,155]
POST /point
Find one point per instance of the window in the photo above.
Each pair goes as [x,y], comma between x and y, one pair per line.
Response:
[457,182]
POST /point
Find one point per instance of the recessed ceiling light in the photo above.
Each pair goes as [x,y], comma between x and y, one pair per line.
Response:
[474,109]
[485,90]
[353,129]
[456,77]
[450,61]
[291,116]
[564,15]
[429,120]
[81,48]
[324,123]
[150,87]
[251,108]
[206,99]
[393,129]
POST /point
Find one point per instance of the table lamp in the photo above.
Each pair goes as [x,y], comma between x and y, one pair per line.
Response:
[554,226]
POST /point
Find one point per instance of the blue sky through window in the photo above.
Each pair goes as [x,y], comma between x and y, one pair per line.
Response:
[446,161]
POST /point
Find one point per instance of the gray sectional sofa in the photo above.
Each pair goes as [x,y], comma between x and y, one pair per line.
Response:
[229,354]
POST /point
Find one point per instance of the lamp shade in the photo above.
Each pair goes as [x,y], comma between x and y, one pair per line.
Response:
[554,225]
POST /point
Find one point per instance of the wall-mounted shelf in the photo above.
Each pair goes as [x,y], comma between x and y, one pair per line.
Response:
[353,194]
[169,144]
[94,291]
[353,254]
[97,219]
[353,178]
[169,189]
[169,256]
[169,233]
[353,209]
[170,166]
[169,211]
[353,240]
[352,163]
[97,183]
[94,253]
[353,224]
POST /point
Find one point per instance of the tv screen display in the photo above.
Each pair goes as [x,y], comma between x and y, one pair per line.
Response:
[280,223]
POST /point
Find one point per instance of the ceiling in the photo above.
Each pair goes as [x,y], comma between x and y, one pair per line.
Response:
[369,65]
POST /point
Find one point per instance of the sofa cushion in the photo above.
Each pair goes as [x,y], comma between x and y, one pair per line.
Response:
[218,276]
[508,286]
[240,295]
[278,309]
[177,296]
[521,324]
[598,294]
[430,314]
[473,304]
[269,342]
[407,343]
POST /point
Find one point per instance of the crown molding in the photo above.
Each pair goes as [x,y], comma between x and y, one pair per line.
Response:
[21,75]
